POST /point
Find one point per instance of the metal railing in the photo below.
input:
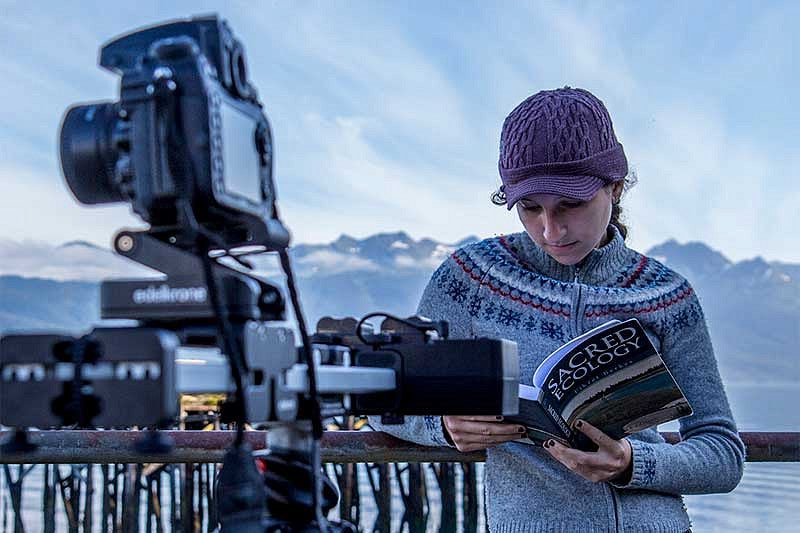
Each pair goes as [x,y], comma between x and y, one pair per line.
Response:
[107,447]
[107,486]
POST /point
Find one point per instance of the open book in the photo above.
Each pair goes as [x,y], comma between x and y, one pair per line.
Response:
[611,376]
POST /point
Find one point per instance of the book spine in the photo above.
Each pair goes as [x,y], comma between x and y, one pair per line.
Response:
[551,408]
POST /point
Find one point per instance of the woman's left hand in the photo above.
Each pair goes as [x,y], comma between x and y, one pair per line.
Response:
[611,460]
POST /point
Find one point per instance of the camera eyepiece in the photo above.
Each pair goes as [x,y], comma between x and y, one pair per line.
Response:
[238,66]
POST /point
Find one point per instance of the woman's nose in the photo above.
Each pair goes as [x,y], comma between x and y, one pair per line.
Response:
[553,229]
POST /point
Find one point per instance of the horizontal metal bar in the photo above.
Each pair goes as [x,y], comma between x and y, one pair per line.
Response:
[203,370]
[342,379]
[103,447]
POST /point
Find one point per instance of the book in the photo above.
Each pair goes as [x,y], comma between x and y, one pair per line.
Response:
[611,376]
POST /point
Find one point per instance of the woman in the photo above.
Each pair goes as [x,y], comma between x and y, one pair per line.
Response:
[564,172]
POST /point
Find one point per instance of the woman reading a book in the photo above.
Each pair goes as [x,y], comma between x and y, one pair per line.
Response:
[563,171]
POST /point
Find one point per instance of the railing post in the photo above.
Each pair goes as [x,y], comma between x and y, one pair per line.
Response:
[3,506]
[113,498]
[212,502]
[174,505]
[131,495]
[88,508]
[445,478]
[414,497]
[381,494]
[187,499]
[105,506]
[470,497]
[154,514]
[49,501]
[68,493]
[202,494]
[15,491]
[347,479]
[76,487]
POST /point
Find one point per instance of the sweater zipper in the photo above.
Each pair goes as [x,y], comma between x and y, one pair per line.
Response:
[576,331]
[576,303]
[614,503]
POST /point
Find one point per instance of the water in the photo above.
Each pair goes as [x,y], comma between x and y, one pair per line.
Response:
[768,497]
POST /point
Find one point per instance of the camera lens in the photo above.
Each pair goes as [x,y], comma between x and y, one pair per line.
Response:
[90,143]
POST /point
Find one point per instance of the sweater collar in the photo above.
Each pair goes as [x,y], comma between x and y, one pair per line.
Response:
[600,267]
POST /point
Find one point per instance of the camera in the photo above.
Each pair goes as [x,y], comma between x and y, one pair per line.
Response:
[188,127]
[189,147]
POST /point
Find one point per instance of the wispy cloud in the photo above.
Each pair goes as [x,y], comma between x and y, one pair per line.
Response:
[332,262]
[387,117]
[38,206]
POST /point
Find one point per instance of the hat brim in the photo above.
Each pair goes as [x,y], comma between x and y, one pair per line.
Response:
[576,187]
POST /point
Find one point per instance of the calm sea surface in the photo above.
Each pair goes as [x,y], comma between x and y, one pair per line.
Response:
[767,499]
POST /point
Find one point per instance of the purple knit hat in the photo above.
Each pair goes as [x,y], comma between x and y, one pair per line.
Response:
[559,142]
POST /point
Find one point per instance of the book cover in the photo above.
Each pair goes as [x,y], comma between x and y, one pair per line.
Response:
[611,376]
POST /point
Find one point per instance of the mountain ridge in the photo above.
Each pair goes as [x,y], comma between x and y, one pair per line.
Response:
[752,306]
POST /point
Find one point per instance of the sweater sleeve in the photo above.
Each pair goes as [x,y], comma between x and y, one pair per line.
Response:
[444,298]
[710,456]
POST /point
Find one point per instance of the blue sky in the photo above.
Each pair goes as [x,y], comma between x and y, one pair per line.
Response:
[387,115]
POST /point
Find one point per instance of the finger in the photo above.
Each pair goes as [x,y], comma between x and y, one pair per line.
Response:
[577,459]
[596,435]
[487,442]
[472,446]
[463,437]
[592,466]
[485,428]
[481,418]
[490,440]
[566,457]
[558,452]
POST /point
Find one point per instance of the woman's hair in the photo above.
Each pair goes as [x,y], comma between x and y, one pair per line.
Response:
[498,197]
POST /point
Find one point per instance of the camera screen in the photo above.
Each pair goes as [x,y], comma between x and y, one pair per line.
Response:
[240,156]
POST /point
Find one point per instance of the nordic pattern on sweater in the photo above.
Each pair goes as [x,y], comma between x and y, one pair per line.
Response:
[506,287]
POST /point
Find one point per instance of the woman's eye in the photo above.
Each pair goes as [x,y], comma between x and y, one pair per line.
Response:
[573,205]
[530,207]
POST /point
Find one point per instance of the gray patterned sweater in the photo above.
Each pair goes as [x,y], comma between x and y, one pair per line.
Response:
[507,287]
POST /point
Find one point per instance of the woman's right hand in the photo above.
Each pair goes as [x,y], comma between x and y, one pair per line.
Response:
[470,433]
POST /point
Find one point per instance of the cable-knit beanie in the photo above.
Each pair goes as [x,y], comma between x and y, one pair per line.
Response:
[559,142]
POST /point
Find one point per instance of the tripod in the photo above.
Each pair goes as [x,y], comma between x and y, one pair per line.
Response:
[290,495]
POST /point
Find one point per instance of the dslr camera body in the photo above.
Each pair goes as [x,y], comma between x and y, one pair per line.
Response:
[188,127]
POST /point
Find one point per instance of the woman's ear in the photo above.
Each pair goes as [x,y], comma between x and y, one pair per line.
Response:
[616,191]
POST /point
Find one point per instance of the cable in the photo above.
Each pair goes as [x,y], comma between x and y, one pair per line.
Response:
[312,397]
[231,346]
[306,344]
[229,343]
